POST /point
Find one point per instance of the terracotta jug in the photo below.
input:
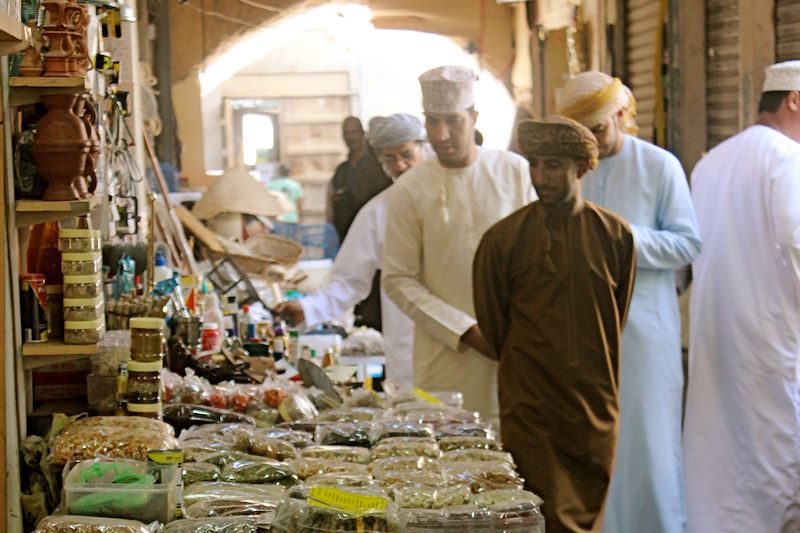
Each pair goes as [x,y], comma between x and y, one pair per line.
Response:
[59,58]
[61,147]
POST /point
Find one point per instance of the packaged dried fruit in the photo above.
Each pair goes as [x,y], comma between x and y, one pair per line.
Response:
[345,434]
[262,470]
[337,453]
[311,466]
[196,472]
[394,464]
[482,476]
[478,455]
[90,524]
[425,497]
[448,444]
[406,447]
[351,414]
[388,429]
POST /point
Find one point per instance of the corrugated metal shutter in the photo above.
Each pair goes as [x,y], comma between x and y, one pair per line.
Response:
[641,23]
[722,70]
[787,29]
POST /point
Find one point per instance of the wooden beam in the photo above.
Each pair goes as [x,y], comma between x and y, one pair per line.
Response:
[686,114]
[756,52]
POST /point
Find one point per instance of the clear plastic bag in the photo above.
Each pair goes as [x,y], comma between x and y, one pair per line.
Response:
[341,479]
[314,509]
[220,490]
[394,478]
[478,455]
[392,428]
[348,454]
[448,444]
[253,441]
[109,441]
[197,472]
[351,414]
[212,525]
[91,524]
[424,497]
[259,471]
[379,467]
[300,439]
[406,447]
[465,430]
[482,476]
[345,434]
[312,466]
[296,407]
[228,508]
[506,496]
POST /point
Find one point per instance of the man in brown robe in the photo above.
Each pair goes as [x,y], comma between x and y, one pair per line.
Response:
[552,284]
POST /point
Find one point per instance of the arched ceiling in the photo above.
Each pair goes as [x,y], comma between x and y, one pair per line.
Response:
[202,29]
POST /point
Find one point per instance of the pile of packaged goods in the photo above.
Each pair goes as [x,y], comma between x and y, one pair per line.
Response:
[399,464]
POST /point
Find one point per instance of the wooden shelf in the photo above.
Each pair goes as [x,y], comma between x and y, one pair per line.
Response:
[14,35]
[27,89]
[36,354]
[37,211]
[57,348]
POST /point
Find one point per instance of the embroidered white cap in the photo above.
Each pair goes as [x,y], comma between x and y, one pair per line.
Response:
[447,89]
[784,76]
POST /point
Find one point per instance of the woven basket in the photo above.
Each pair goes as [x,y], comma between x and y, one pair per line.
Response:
[281,250]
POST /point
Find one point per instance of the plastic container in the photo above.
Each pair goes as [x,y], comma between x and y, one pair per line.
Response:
[147,502]
[211,337]
[146,410]
[79,240]
[88,286]
[114,348]
[101,392]
[81,263]
[83,332]
[54,308]
[144,382]
[76,309]
[161,270]
[147,339]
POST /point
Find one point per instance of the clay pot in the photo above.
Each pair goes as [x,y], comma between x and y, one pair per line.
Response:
[61,148]
[59,58]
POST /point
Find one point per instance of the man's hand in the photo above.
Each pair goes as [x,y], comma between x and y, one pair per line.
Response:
[291,311]
[475,340]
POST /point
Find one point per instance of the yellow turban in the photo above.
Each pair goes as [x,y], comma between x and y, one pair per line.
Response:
[558,137]
[591,97]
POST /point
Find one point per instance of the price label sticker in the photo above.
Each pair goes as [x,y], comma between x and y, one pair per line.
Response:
[426,396]
[342,500]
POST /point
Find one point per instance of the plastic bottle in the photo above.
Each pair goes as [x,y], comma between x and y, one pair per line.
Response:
[279,343]
[161,271]
[212,312]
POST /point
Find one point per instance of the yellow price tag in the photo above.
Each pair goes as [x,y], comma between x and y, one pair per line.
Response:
[341,500]
[426,396]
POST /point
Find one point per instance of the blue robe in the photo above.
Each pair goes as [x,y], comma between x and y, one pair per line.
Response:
[647,187]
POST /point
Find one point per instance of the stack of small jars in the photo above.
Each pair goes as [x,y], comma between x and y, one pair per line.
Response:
[143,395]
[81,264]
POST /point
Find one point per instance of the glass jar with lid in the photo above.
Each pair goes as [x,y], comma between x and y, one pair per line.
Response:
[144,382]
[87,286]
[81,263]
[147,410]
[79,240]
[83,331]
[83,308]
[147,340]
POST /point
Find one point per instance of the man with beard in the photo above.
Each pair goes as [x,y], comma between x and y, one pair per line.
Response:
[552,284]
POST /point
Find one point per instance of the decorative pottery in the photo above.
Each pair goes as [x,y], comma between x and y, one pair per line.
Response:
[61,148]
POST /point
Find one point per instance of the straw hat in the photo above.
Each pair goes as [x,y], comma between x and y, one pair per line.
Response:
[236,191]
